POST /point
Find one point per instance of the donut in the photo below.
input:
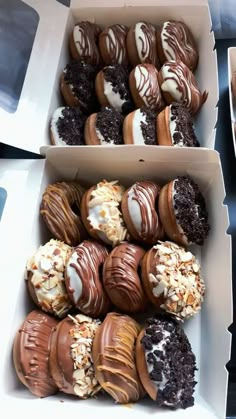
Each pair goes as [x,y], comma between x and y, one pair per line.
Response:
[112,88]
[78,86]
[104,128]
[166,363]
[172,280]
[67,126]
[138,206]
[101,214]
[83,43]
[83,279]
[183,212]
[144,87]
[31,353]
[112,45]
[178,84]
[114,358]
[175,127]
[175,42]
[139,127]
[233,85]
[45,278]
[141,44]
[70,361]
[57,209]
[121,278]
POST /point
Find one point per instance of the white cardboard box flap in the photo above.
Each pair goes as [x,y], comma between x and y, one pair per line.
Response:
[28,127]
[208,331]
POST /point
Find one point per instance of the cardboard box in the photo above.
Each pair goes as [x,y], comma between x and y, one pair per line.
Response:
[22,231]
[28,127]
[232,101]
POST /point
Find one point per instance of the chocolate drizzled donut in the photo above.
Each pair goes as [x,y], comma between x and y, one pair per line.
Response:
[175,42]
[31,352]
[178,84]
[139,211]
[121,279]
[112,45]
[83,281]
[83,43]
[56,209]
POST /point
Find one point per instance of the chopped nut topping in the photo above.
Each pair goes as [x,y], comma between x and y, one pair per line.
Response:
[177,277]
[104,213]
[83,332]
[47,266]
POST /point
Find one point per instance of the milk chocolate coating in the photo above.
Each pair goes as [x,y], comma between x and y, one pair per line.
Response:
[31,353]
[112,45]
[114,358]
[56,209]
[83,43]
[121,279]
[175,42]
[178,84]
[82,270]
[145,196]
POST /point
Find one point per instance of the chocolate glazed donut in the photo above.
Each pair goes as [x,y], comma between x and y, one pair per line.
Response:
[82,278]
[56,209]
[114,358]
[121,279]
[31,353]
[139,212]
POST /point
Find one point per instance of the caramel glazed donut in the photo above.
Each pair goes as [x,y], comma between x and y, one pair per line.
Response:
[82,278]
[56,209]
[114,358]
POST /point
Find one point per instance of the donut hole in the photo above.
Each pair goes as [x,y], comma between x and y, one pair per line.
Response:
[75,209]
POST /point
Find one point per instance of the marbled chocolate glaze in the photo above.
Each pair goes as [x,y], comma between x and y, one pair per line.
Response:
[121,279]
[178,44]
[56,209]
[114,38]
[114,357]
[31,353]
[85,35]
[146,79]
[179,82]
[146,42]
[84,265]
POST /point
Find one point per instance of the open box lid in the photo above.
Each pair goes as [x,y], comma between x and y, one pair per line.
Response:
[26,125]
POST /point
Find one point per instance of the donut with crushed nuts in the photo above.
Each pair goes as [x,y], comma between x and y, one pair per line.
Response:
[121,278]
[139,205]
[166,363]
[172,279]
[101,214]
[70,361]
[57,209]
[45,276]
[83,281]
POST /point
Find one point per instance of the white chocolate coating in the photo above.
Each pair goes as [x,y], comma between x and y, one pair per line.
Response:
[113,98]
[137,134]
[57,114]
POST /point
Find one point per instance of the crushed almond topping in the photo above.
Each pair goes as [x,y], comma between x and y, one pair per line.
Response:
[177,277]
[47,266]
[83,332]
[107,218]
